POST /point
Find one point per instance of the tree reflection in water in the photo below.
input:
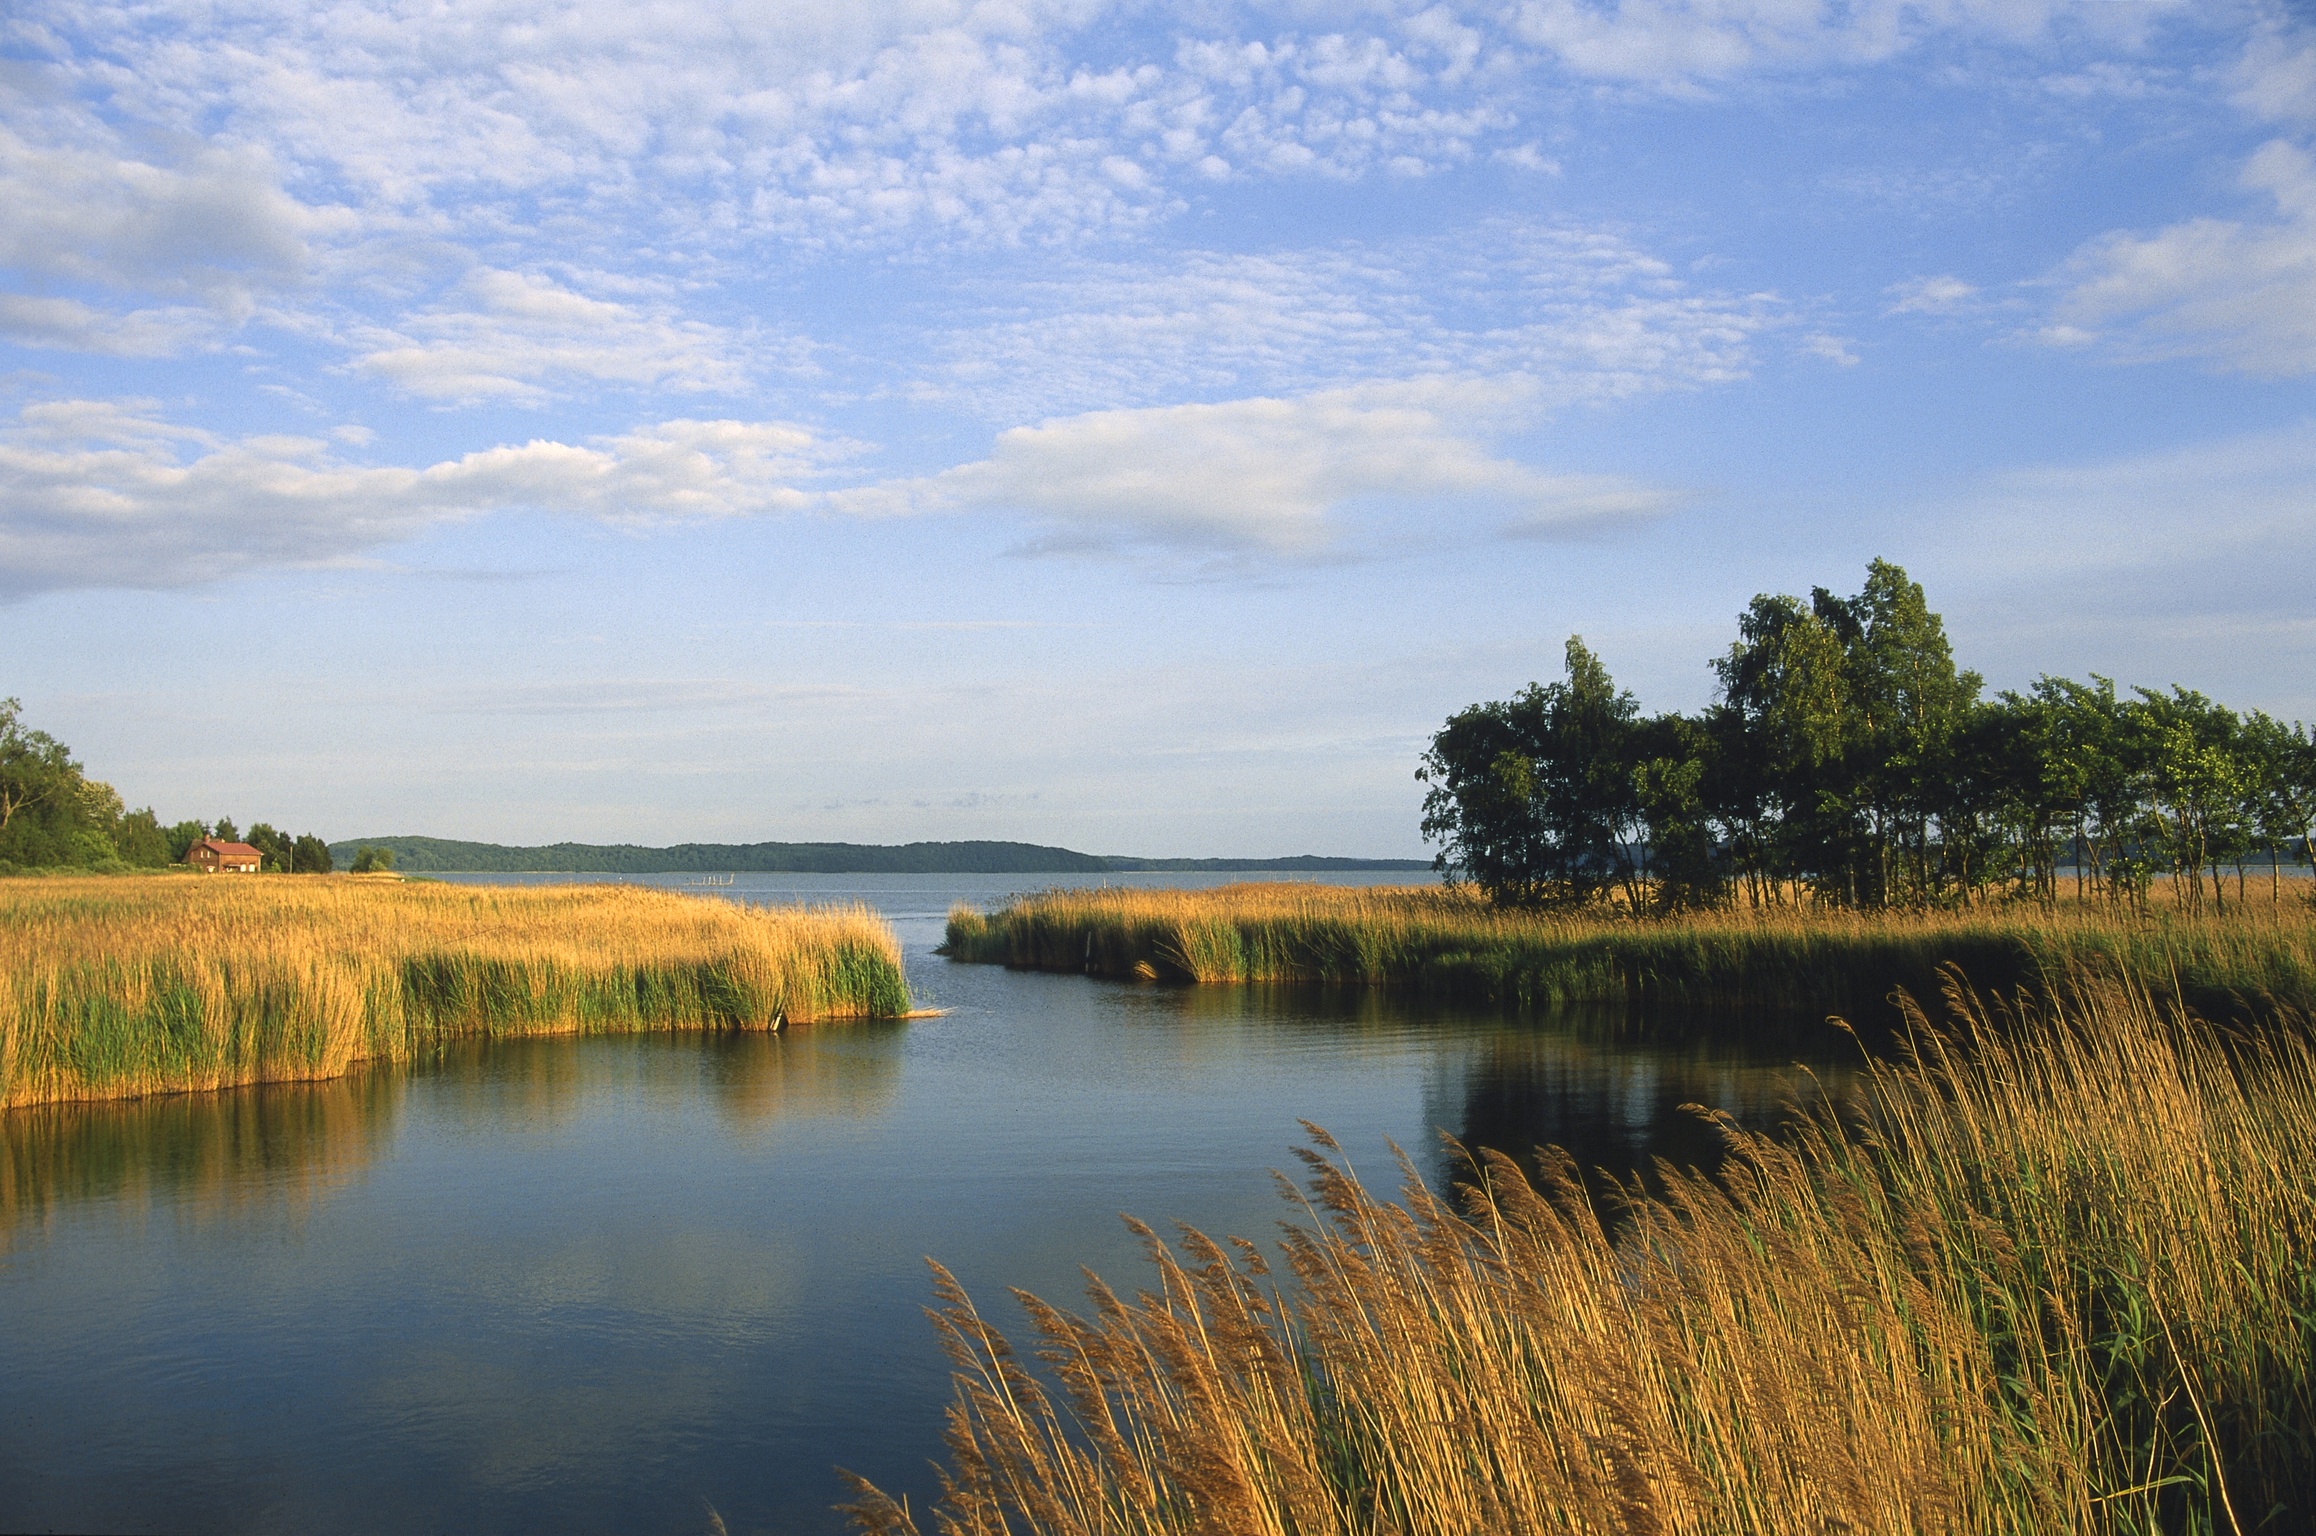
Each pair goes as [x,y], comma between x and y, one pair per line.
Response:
[1622,1095]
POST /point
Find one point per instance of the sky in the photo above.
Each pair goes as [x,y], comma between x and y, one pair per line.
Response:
[1133,427]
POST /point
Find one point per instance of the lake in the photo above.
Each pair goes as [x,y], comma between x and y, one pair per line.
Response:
[610,1284]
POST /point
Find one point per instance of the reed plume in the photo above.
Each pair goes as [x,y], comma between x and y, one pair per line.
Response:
[2055,1269]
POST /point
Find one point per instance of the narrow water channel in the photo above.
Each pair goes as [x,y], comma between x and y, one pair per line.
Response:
[608,1285]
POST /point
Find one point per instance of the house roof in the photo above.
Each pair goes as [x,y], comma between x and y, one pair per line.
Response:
[226,850]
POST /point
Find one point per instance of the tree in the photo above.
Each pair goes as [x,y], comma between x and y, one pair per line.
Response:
[369,860]
[35,768]
[183,836]
[142,840]
[1854,706]
[310,856]
[1533,799]
[274,846]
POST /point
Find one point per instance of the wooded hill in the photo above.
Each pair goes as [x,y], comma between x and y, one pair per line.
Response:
[429,855]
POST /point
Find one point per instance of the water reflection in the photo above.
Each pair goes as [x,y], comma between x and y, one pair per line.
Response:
[206,1155]
[1621,1107]
[584,1284]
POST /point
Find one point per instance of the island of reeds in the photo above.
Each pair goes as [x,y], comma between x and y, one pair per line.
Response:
[1453,943]
[114,988]
[2054,1270]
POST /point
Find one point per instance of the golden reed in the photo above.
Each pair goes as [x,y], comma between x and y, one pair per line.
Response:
[2261,952]
[2056,1272]
[114,988]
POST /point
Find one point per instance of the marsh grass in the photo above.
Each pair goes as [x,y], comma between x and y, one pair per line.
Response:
[2054,1270]
[118,988]
[1451,944]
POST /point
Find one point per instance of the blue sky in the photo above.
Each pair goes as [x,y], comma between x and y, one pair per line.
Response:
[1134,427]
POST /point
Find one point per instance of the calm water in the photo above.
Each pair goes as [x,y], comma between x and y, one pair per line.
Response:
[606,1284]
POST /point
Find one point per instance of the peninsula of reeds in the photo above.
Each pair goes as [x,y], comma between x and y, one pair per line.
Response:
[1450,943]
[2052,1271]
[114,988]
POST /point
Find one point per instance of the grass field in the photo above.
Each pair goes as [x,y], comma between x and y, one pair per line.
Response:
[113,988]
[2058,1274]
[2262,954]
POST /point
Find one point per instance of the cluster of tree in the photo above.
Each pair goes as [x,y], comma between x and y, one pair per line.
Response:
[53,815]
[1850,762]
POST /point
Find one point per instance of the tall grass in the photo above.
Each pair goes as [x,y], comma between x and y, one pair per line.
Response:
[1452,944]
[2059,1277]
[116,988]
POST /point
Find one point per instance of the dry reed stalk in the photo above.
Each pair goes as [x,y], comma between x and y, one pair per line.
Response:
[2056,1272]
[121,987]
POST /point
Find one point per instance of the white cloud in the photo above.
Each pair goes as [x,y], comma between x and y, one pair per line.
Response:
[511,335]
[103,493]
[1677,43]
[1577,314]
[1259,476]
[1829,348]
[838,123]
[1941,295]
[212,222]
[71,326]
[2276,77]
[2238,295]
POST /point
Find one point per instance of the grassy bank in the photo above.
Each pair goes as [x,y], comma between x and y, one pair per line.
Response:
[116,988]
[1449,944]
[2055,1278]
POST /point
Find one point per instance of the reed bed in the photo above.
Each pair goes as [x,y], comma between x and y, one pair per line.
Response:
[2053,1270]
[1444,941]
[115,988]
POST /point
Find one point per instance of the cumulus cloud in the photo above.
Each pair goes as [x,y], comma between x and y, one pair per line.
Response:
[1263,476]
[512,335]
[107,493]
[2236,294]
[212,223]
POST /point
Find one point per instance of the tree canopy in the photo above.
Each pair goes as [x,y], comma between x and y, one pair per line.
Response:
[1848,760]
[54,816]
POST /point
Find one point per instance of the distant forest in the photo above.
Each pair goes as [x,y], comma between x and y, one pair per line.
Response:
[1850,763]
[423,855]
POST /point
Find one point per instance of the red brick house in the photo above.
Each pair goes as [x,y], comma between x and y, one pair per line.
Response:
[211,857]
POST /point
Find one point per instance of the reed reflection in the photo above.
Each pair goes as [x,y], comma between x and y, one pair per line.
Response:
[206,1155]
[290,1144]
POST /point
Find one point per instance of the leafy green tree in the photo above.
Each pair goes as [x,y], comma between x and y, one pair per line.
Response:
[226,832]
[1855,706]
[142,840]
[310,856]
[275,847]
[2194,785]
[36,770]
[1685,866]
[2283,759]
[183,836]
[1533,799]
[370,860]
